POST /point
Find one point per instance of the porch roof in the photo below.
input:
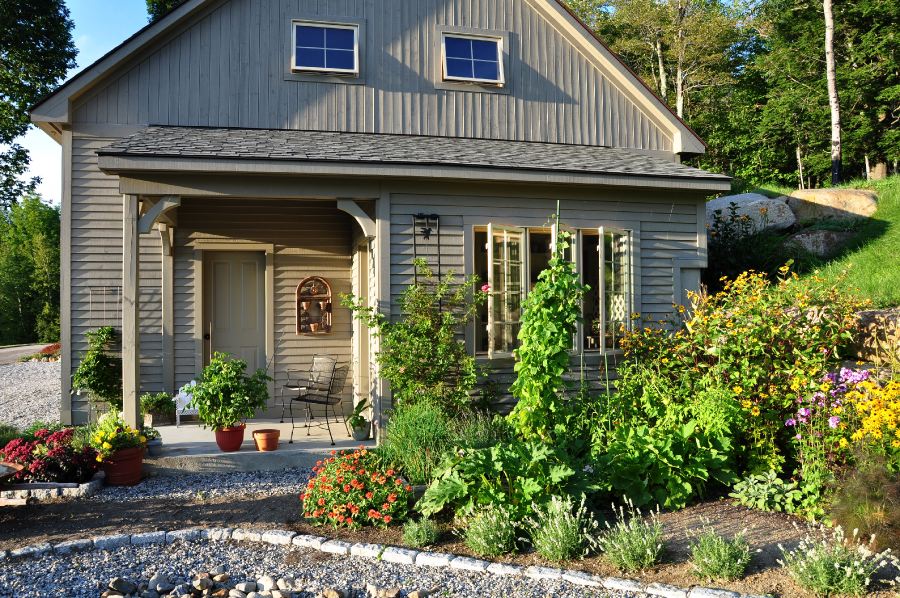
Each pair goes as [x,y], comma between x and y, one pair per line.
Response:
[153,146]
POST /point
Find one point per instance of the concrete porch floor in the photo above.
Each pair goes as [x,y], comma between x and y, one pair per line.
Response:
[191,449]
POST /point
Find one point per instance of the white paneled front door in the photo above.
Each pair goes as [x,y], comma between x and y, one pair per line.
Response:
[234,305]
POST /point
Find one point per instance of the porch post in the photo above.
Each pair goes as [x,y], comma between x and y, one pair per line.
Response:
[168,302]
[131,366]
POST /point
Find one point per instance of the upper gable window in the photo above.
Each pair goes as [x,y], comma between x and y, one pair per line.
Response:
[326,48]
[473,58]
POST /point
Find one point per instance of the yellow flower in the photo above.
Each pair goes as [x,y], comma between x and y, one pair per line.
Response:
[895,443]
[99,458]
[755,411]
[746,404]
[107,445]
[143,439]
[844,443]
[665,360]
[737,390]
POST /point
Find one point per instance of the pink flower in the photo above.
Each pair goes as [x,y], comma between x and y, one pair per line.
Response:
[833,421]
[485,288]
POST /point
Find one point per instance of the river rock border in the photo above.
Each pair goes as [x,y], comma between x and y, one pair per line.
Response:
[391,554]
[46,490]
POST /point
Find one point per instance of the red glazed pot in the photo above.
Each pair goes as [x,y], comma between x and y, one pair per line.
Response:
[266,440]
[230,439]
[124,467]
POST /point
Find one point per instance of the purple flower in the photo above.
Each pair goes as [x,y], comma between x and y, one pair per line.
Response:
[798,437]
[833,421]
[804,412]
[791,422]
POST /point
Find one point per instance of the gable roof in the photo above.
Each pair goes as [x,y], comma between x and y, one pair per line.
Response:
[55,110]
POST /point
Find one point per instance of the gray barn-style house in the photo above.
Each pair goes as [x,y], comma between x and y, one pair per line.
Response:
[236,155]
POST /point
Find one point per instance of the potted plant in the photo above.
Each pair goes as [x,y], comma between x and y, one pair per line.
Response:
[120,450]
[358,422]
[154,440]
[100,373]
[158,409]
[225,396]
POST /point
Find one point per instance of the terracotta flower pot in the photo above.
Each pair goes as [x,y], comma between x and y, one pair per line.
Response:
[124,467]
[266,440]
[230,439]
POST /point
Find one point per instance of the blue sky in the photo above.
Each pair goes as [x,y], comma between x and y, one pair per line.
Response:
[100,25]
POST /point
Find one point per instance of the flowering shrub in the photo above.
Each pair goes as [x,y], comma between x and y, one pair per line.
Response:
[112,434]
[349,489]
[51,456]
[750,351]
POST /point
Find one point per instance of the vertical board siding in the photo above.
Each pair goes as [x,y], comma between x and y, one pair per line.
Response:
[96,261]
[228,69]
[310,238]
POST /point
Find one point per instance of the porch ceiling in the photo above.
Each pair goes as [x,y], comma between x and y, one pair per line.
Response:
[318,153]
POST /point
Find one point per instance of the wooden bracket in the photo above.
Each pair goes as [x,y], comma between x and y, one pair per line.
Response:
[156,211]
[365,222]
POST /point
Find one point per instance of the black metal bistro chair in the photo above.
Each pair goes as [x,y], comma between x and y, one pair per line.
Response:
[323,384]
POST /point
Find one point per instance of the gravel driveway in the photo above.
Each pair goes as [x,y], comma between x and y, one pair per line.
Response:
[29,392]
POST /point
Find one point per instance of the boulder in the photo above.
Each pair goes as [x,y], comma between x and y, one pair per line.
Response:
[822,243]
[877,337]
[765,213]
[838,204]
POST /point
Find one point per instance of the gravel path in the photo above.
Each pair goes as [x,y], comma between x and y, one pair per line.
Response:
[29,392]
[206,486]
[87,574]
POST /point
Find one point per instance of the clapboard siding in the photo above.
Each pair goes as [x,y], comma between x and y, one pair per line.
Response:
[310,239]
[666,228]
[96,264]
[227,69]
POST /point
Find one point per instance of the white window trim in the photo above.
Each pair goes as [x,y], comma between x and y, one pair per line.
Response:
[500,82]
[327,25]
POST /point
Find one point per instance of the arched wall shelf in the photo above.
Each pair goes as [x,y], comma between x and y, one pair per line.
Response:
[314,306]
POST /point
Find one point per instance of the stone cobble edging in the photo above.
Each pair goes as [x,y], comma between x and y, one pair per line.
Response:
[391,554]
[45,490]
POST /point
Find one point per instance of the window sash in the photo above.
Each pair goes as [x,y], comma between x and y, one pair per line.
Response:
[506,289]
[475,79]
[625,281]
[325,49]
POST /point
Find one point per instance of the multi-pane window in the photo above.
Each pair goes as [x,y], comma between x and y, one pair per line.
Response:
[510,259]
[326,47]
[470,58]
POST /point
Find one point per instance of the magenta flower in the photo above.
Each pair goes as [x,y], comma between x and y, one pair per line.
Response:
[804,412]
[485,288]
[833,421]
[791,422]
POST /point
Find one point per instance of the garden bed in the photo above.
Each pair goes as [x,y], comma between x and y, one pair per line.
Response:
[765,532]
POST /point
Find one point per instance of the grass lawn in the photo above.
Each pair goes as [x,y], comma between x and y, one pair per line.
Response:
[872,257]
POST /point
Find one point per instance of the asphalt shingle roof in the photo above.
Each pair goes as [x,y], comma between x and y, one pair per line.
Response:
[371,148]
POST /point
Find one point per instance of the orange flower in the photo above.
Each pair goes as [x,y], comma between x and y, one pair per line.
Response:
[387,518]
[409,488]
[321,502]
[346,487]
[369,495]
[390,472]
[398,481]
[392,498]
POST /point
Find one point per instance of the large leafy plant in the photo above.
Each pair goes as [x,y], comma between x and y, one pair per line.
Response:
[551,313]
[100,373]
[421,352]
[516,474]
[225,396]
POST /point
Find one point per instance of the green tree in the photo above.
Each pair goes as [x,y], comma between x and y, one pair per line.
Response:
[36,51]
[157,9]
[29,272]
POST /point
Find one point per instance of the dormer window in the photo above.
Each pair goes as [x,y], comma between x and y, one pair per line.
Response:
[325,48]
[474,59]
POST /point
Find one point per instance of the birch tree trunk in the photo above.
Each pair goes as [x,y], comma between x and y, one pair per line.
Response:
[663,82]
[833,99]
